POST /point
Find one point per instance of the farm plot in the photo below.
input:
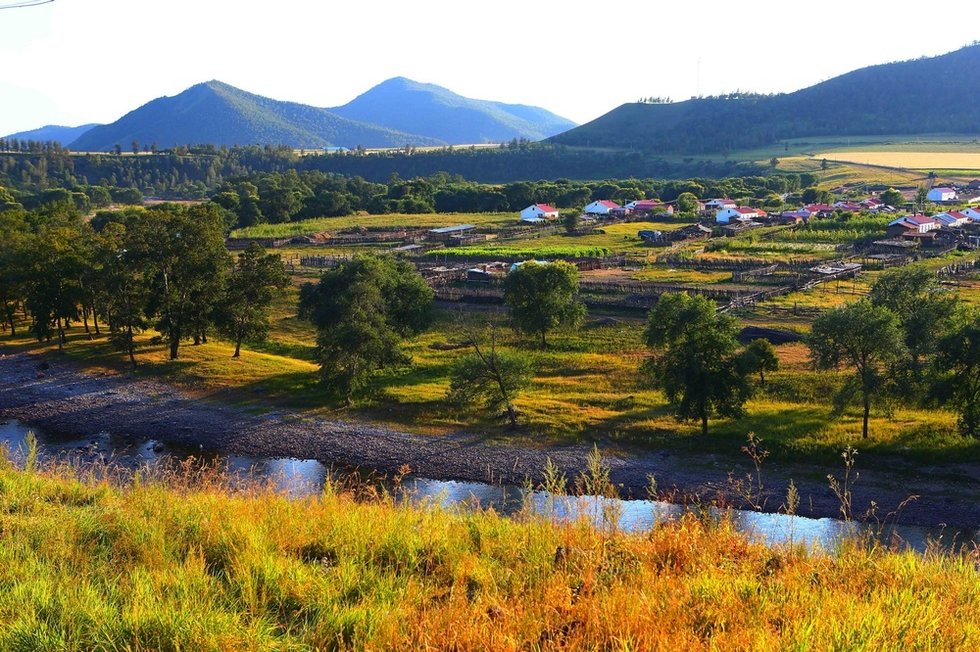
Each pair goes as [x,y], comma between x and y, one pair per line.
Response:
[909,160]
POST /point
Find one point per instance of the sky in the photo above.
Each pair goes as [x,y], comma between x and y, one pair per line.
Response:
[72,62]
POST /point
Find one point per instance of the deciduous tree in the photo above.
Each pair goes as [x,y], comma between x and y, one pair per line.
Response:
[363,310]
[695,359]
[863,337]
[542,297]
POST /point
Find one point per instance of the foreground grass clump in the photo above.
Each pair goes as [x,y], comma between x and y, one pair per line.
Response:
[185,563]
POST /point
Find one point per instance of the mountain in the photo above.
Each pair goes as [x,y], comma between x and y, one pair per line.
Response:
[927,95]
[219,114]
[413,107]
[55,133]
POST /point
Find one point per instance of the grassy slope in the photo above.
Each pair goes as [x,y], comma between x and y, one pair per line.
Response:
[187,565]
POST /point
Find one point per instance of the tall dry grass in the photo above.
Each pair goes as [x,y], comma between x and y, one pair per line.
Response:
[192,560]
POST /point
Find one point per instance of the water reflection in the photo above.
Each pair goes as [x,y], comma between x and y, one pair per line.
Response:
[306,477]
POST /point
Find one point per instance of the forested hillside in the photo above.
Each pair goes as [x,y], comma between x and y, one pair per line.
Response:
[929,95]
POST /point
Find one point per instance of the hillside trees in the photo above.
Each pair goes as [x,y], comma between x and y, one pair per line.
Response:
[362,310]
[696,362]
[542,297]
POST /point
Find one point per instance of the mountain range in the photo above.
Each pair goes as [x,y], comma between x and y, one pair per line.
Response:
[927,95]
[53,133]
[396,113]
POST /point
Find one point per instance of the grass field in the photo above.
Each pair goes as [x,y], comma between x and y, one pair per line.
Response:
[587,386]
[414,221]
[183,563]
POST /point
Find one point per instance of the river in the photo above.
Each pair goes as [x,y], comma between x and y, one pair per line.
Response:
[298,477]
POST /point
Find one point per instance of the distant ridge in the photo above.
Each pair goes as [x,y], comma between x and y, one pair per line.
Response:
[53,133]
[409,106]
[928,95]
[216,113]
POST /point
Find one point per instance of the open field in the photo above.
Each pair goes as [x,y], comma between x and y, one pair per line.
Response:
[183,562]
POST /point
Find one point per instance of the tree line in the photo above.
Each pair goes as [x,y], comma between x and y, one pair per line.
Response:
[163,267]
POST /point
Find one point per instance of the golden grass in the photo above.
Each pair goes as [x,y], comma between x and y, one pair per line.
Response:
[414,220]
[188,565]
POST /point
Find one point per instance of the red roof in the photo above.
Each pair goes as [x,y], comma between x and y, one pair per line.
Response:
[919,219]
[546,208]
[745,210]
[816,208]
[958,215]
[608,204]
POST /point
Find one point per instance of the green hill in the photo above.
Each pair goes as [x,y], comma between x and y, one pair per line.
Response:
[219,114]
[413,107]
[928,95]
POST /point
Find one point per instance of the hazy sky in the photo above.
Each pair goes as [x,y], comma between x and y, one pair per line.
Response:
[77,61]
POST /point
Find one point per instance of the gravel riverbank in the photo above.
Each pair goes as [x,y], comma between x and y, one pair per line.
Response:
[58,395]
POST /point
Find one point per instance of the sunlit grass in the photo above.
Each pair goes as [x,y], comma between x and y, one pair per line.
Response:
[175,563]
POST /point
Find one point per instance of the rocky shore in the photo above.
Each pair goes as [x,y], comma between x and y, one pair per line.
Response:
[60,396]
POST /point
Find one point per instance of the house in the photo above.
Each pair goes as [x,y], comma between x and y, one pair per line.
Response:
[650,207]
[854,207]
[601,207]
[447,233]
[539,213]
[972,213]
[911,224]
[941,195]
[952,218]
[819,210]
[738,214]
[718,204]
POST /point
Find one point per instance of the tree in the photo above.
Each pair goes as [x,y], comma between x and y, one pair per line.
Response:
[687,202]
[925,312]
[491,376]
[362,310]
[892,197]
[759,357]
[542,297]
[695,360]
[571,221]
[921,195]
[958,367]
[127,287]
[185,254]
[253,284]
[863,336]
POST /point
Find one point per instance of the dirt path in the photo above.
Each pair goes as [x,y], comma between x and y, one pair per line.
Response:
[64,398]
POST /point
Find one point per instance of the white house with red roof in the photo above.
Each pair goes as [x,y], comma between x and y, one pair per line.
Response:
[972,213]
[941,194]
[738,214]
[952,218]
[718,204]
[601,208]
[912,224]
[538,213]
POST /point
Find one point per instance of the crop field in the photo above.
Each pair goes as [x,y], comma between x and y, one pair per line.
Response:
[912,160]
